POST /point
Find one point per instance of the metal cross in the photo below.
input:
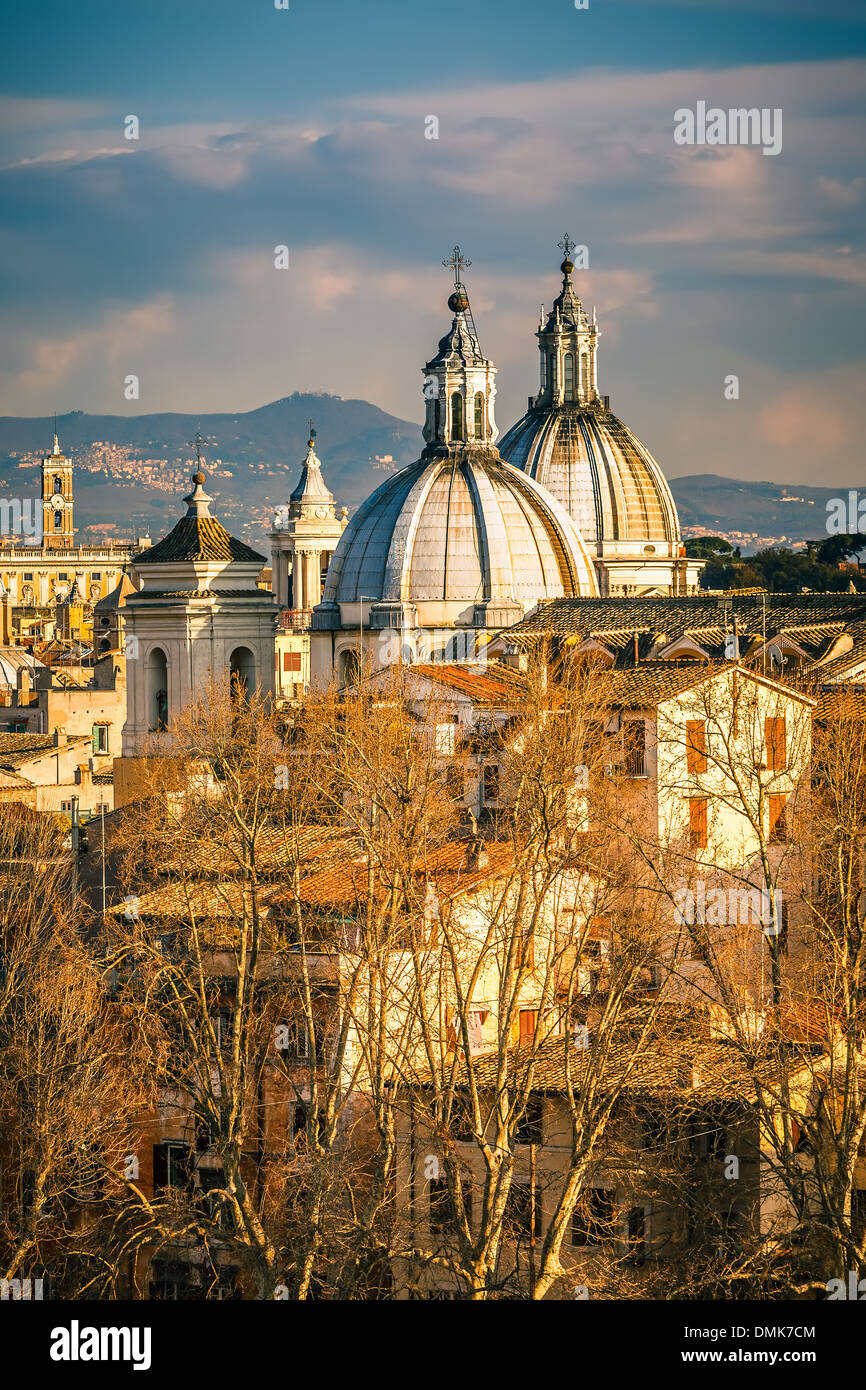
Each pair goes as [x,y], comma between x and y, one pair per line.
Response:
[312,431]
[457,262]
[197,444]
[566,246]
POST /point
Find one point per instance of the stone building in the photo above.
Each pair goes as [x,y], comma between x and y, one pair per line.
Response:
[199,613]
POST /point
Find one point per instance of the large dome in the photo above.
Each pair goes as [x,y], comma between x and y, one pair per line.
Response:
[599,471]
[459,528]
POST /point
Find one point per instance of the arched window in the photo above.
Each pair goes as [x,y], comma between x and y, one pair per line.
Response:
[479,415]
[437,418]
[58,521]
[544,371]
[58,484]
[457,416]
[584,373]
[349,668]
[242,670]
[568,376]
[551,370]
[157,690]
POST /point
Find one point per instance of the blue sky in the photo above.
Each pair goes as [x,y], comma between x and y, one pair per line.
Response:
[306,127]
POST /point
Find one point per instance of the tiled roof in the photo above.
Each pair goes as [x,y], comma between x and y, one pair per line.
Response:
[344,883]
[614,621]
[198,538]
[691,1065]
[18,749]
[487,685]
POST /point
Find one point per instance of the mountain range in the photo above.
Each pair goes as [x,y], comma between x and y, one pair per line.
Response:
[132,471]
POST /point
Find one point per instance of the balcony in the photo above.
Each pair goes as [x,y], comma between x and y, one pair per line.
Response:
[295,619]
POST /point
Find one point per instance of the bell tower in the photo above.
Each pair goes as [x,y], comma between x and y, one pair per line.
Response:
[58,531]
[304,537]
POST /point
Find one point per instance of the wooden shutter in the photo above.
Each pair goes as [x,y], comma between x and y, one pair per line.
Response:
[698,822]
[696,745]
[775,740]
[778,819]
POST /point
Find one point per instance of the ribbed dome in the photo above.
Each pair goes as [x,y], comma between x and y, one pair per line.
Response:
[597,470]
[460,526]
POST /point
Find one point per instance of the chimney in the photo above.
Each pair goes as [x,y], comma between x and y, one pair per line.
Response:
[59,738]
[23,686]
[607,402]
[476,854]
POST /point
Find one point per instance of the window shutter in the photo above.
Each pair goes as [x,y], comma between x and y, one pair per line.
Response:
[696,745]
[698,822]
[775,739]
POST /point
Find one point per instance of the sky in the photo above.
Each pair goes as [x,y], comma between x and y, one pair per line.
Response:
[305,127]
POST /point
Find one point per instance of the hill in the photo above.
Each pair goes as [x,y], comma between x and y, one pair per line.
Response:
[131,471]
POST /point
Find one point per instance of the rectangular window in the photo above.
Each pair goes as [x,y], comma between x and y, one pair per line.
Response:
[526,950]
[172,1167]
[776,744]
[530,1126]
[440,1206]
[637,1235]
[521,1213]
[491,782]
[698,822]
[634,747]
[696,745]
[527,1021]
[454,778]
[444,740]
[28,575]
[100,738]
[594,1217]
[96,577]
[778,819]
[291,661]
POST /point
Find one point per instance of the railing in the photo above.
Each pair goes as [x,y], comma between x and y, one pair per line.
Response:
[295,619]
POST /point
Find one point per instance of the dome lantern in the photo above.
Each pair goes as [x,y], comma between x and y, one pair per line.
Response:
[459,382]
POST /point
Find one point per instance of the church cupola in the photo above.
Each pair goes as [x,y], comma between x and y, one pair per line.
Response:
[567,341]
[459,382]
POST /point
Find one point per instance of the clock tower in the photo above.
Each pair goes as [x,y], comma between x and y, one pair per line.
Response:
[57,529]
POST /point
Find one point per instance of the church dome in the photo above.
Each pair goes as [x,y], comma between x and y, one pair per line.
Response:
[571,443]
[600,472]
[460,528]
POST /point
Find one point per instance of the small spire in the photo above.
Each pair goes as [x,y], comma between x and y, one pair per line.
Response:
[198,502]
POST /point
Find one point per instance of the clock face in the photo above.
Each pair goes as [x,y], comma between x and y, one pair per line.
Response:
[57,503]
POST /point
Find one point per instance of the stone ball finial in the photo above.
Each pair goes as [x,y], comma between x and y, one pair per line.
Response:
[198,478]
[458,302]
[567,266]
